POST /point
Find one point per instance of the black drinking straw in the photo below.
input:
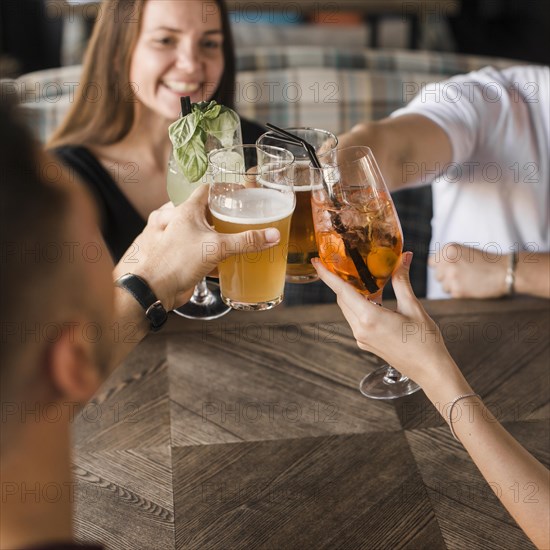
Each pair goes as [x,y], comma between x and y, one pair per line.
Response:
[185,102]
[312,156]
[362,270]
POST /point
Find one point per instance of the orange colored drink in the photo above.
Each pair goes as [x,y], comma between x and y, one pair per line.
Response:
[370,225]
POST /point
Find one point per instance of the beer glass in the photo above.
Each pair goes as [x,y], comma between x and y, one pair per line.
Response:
[302,246]
[359,239]
[255,192]
[205,303]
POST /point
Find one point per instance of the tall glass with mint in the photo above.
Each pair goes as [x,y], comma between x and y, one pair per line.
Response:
[203,127]
[209,126]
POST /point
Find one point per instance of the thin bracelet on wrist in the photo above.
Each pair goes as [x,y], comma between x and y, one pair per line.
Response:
[453,403]
[510,278]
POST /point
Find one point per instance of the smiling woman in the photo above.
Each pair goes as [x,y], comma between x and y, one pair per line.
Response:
[179,51]
[143,55]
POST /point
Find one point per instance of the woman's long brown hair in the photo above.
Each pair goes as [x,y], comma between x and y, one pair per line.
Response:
[104,102]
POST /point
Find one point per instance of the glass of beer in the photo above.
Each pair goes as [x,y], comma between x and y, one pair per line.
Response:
[360,239]
[302,245]
[252,188]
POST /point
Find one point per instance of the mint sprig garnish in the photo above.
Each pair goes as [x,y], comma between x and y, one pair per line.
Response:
[190,133]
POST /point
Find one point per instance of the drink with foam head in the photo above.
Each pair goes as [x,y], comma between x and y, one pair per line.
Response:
[302,245]
[254,279]
[248,197]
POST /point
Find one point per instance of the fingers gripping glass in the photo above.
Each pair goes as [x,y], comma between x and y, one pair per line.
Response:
[359,239]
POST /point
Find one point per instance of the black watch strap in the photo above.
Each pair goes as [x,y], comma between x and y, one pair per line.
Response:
[141,291]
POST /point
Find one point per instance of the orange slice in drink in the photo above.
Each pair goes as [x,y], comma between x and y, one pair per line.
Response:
[333,254]
[381,262]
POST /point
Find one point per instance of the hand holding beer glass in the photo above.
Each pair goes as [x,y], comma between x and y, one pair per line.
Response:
[252,188]
[359,239]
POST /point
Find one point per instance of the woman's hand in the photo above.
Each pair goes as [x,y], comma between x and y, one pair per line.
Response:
[408,339]
[178,247]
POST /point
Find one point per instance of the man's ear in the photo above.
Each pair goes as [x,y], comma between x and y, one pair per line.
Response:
[74,372]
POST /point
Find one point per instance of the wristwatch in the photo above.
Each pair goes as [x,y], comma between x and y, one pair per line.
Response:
[141,291]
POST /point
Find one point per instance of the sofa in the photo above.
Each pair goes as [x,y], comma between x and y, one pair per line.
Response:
[327,87]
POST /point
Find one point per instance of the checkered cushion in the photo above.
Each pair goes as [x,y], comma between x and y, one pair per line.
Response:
[335,88]
[386,60]
[288,85]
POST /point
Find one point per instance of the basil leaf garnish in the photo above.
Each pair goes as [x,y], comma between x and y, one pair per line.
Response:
[222,127]
[189,134]
[183,130]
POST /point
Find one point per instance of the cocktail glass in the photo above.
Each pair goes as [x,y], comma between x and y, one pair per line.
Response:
[206,302]
[359,239]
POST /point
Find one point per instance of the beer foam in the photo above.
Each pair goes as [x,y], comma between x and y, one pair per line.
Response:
[295,187]
[253,206]
[304,188]
[304,167]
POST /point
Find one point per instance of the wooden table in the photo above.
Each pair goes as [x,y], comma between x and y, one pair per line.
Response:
[249,432]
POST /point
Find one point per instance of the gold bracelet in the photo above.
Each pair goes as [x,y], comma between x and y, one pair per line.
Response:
[510,279]
[454,402]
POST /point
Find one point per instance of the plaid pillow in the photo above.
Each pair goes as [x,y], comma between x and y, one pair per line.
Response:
[46,97]
[288,85]
[335,88]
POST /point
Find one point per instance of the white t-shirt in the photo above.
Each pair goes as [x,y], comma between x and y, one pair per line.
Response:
[495,194]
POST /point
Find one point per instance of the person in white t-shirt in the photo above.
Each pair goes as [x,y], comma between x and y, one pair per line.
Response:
[482,139]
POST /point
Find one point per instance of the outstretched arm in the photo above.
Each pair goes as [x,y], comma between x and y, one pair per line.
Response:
[406,148]
[500,458]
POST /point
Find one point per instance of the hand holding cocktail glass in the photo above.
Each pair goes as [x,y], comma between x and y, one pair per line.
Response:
[360,240]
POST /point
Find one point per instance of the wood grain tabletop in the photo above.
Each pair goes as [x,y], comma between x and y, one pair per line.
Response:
[250,432]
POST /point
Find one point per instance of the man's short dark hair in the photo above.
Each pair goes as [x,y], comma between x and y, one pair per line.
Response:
[33,214]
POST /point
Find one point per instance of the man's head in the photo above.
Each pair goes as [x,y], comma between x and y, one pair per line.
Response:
[55,283]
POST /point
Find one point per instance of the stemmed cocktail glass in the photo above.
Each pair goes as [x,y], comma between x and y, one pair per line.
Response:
[206,302]
[359,239]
